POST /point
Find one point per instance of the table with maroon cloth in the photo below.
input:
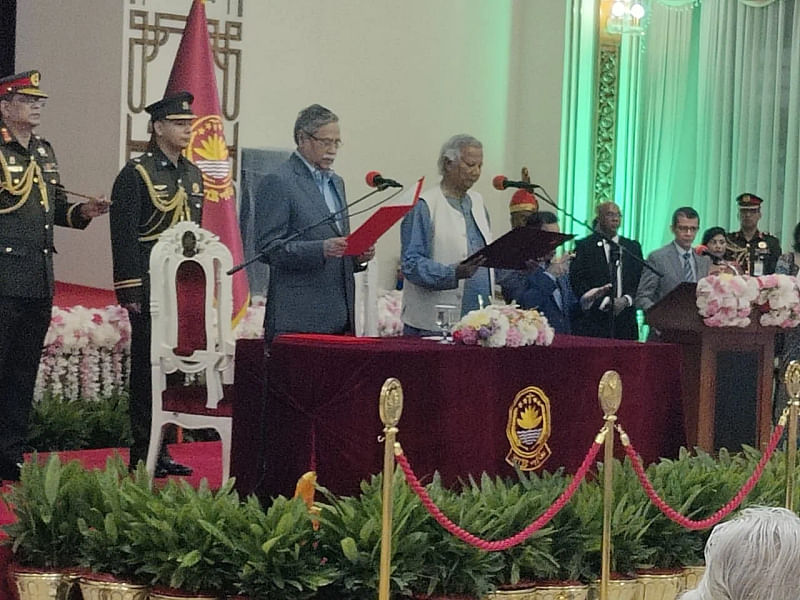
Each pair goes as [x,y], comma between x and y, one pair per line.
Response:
[321,406]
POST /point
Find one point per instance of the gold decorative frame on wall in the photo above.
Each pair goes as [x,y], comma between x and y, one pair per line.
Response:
[149,32]
[606,107]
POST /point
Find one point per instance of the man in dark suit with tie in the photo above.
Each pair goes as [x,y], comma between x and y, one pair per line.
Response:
[594,267]
[301,228]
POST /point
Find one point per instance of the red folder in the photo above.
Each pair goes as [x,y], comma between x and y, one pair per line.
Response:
[379,223]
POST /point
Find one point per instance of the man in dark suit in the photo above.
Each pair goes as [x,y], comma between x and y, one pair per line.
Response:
[151,193]
[32,200]
[301,227]
[594,267]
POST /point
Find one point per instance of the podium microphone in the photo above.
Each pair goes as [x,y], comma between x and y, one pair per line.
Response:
[375,179]
[501,182]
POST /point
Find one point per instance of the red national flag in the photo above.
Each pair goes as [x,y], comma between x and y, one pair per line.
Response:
[193,71]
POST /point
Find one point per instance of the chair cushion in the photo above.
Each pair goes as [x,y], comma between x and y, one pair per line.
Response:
[191,399]
[191,292]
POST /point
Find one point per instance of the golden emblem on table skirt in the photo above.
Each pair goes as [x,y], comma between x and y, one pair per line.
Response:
[528,429]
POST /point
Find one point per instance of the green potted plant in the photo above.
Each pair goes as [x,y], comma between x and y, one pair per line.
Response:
[180,544]
[277,551]
[48,503]
[503,508]
[107,549]
[350,539]
[451,567]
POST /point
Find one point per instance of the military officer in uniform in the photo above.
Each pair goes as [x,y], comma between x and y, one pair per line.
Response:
[755,251]
[151,193]
[32,201]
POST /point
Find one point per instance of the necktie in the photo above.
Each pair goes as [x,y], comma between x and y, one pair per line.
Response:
[688,274]
[323,181]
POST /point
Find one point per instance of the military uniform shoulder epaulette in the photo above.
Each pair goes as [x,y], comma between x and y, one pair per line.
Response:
[142,158]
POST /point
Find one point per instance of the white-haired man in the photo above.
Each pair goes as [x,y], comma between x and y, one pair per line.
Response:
[752,557]
[448,224]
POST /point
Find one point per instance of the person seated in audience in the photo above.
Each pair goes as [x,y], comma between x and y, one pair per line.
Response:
[752,557]
[716,243]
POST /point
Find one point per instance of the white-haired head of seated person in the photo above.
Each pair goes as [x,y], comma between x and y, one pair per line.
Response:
[755,556]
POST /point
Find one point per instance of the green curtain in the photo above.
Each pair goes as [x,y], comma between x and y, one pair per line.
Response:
[720,114]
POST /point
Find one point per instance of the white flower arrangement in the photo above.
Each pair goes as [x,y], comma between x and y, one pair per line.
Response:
[390,323]
[498,325]
[86,353]
[778,300]
[87,350]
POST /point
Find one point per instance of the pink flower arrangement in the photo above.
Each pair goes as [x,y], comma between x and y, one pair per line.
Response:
[499,325]
[778,301]
[390,303]
[726,300]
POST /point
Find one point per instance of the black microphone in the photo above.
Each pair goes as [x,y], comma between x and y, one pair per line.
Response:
[375,179]
[501,182]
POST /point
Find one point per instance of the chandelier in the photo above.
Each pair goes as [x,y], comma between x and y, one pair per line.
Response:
[626,17]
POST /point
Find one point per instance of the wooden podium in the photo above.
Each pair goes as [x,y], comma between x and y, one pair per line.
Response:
[718,395]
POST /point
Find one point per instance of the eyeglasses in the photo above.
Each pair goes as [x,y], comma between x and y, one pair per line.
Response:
[30,100]
[687,228]
[327,142]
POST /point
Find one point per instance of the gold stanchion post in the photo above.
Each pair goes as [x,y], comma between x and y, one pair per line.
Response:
[792,380]
[610,394]
[390,407]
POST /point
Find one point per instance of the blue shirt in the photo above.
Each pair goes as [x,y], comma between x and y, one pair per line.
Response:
[416,235]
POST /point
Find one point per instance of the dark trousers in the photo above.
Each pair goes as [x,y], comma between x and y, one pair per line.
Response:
[141,392]
[23,326]
[141,408]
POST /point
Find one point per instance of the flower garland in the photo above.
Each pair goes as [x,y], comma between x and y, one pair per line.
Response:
[726,300]
[87,350]
[86,353]
[499,325]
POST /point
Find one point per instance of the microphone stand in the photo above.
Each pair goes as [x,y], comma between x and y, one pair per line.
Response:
[329,218]
[615,249]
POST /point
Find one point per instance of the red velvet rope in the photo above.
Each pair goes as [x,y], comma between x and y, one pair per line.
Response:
[678,518]
[518,538]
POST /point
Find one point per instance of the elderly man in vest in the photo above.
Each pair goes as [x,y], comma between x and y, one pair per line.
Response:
[448,224]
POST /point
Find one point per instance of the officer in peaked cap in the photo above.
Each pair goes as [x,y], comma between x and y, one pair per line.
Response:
[756,251]
[32,201]
[151,193]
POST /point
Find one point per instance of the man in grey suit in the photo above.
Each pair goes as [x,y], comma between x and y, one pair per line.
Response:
[676,261]
[301,226]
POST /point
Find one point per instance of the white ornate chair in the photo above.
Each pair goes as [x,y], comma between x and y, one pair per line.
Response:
[190,307]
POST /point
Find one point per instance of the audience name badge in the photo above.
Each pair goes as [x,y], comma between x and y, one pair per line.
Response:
[528,429]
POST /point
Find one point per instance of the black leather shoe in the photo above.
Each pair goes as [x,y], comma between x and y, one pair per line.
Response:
[166,466]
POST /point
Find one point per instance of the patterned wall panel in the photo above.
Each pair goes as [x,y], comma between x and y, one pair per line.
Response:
[152,37]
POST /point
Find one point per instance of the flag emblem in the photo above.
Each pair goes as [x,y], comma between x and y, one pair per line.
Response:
[208,150]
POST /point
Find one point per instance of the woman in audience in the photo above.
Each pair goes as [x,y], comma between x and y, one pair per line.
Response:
[716,242]
[789,263]
[752,557]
